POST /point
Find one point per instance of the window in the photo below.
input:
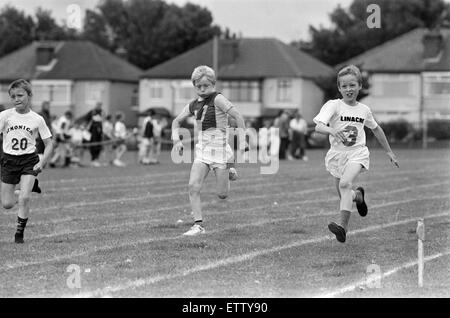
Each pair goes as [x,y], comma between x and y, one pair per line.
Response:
[396,88]
[60,93]
[155,90]
[437,85]
[284,90]
[185,93]
[241,91]
[57,93]
[395,85]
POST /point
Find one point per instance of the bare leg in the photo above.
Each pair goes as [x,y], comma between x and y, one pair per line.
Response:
[199,171]
[347,194]
[8,197]
[26,184]
[222,182]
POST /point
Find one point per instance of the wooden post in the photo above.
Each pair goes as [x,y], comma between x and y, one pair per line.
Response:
[421,236]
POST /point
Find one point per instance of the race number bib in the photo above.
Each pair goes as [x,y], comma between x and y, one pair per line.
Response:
[352,134]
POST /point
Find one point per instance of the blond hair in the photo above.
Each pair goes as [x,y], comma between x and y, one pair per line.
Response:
[352,70]
[21,83]
[201,71]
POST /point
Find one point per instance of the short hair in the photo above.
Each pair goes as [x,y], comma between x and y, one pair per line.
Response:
[201,71]
[21,83]
[120,115]
[350,69]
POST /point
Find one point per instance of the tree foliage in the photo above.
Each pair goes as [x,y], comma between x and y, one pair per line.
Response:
[349,34]
[149,31]
[145,32]
[16,30]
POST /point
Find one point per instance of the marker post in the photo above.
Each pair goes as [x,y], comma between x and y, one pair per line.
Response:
[421,237]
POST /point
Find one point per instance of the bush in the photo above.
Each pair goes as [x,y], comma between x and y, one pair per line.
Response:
[439,129]
[397,130]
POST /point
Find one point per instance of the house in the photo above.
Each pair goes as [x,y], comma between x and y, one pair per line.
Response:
[409,76]
[73,75]
[260,76]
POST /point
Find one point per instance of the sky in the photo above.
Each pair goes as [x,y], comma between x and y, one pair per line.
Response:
[287,20]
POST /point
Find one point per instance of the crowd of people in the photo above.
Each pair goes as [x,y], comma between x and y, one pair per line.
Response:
[105,138]
[288,143]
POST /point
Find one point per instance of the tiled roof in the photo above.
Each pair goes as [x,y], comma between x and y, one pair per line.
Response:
[404,54]
[255,58]
[75,60]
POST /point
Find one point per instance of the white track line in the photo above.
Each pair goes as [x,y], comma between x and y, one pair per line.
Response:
[148,197]
[233,260]
[146,222]
[362,282]
[149,240]
[149,175]
[177,181]
[164,184]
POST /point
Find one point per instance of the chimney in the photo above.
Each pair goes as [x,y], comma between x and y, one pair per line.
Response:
[228,51]
[433,44]
[121,52]
[44,54]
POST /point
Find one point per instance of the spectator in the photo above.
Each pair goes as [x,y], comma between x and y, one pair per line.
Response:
[95,128]
[146,142]
[77,137]
[159,123]
[108,136]
[61,128]
[87,118]
[299,128]
[120,134]
[264,141]
[282,123]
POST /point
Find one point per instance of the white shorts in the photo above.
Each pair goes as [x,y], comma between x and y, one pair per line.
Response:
[336,161]
[214,156]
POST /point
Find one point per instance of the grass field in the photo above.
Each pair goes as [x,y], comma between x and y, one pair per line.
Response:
[120,230]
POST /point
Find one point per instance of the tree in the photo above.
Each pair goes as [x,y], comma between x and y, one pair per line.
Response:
[46,27]
[16,30]
[96,30]
[349,34]
[148,31]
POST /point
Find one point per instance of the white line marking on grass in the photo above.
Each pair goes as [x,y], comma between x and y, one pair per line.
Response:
[147,197]
[165,195]
[120,178]
[302,202]
[234,259]
[361,282]
[238,199]
[160,184]
[148,240]
[184,178]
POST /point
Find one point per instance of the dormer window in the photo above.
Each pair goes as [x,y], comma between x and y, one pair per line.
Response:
[45,57]
[433,44]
